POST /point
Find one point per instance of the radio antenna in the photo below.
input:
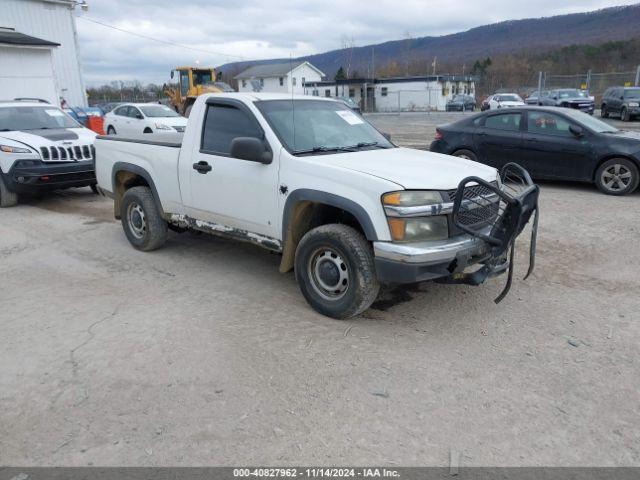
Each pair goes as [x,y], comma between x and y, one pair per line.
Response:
[293,103]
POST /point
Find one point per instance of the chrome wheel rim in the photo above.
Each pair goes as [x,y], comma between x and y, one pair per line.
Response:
[616,178]
[137,220]
[329,274]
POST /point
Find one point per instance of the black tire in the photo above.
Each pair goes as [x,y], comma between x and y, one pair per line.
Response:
[468,154]
[7,197]
[624,114]
[341,254]
[606,177]
[603,112]
[147,130]
[94,188]
[141,220]
[111,130]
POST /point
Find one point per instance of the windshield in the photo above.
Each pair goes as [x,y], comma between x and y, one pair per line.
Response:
[572,93]
[157,111]
[459,98]
[508,98]
[201,77]
[34,118]
[590,122]
[632,93]
[310,126]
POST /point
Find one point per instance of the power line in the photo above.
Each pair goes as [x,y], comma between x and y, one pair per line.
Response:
[166,42]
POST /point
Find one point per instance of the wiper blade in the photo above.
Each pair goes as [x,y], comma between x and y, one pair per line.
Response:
[322,148]
[369,144]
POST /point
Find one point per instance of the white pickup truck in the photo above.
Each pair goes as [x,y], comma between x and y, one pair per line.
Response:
[310,179]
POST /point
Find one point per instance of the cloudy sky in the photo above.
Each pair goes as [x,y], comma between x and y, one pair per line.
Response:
[220,31]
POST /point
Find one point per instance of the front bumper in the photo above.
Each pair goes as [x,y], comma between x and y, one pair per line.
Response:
[490,246]
[43,176]
[418,262]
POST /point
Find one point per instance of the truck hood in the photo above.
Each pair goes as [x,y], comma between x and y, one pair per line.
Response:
[409,168]
[51,137]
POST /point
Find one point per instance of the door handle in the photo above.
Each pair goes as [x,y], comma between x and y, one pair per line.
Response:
[202,167]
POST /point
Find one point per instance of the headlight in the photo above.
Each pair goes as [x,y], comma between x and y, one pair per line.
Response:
[8,149]
[411,198]
[418,228]
[161,126]
[634,104]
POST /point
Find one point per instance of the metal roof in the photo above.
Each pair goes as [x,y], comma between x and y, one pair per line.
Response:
[269,70]
[8,36]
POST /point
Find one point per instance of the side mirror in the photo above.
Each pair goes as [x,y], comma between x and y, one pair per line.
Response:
[139,116]
[386,135]
[576,130]
[251,149]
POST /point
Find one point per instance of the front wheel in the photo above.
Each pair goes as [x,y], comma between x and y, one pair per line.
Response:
[141,220]
[603,112]
[335,270]
[617,176]
[624,115]
[7,197]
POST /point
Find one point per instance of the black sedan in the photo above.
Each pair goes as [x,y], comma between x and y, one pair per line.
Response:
[461,103]
[552,143]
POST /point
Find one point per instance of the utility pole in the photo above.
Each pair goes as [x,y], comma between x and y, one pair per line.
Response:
[539,85]
[588,80]
[435,59]
[637,83]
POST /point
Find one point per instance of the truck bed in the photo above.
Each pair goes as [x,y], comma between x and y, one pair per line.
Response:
[163,140]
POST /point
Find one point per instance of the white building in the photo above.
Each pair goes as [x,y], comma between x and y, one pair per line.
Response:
[397,94]
[25,71]
[278,77]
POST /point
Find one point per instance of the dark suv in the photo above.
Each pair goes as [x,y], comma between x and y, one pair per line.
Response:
[623,101]
[569,98]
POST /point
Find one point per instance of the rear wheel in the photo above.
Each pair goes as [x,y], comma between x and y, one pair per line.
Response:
[603,112]
[111,130]
[142,222]
[468,154]
[147,130]
[7,197]
[335,270]
[617,176]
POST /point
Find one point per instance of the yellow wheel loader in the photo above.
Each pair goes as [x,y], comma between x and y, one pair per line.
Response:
[192,81]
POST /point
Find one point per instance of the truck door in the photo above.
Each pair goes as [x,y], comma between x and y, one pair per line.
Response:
[227,191]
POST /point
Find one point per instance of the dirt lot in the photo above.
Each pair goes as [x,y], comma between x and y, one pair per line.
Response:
[203,354]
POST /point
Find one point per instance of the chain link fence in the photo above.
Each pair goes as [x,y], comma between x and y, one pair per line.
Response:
[594,83]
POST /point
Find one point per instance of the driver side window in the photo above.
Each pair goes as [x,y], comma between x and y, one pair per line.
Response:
[222,124]
[134,112]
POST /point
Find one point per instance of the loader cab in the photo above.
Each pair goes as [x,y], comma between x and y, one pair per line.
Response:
[191,78]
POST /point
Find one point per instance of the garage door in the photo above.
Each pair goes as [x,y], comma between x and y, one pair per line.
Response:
[27,72]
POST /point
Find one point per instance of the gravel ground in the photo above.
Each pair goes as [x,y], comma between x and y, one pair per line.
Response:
[201,353]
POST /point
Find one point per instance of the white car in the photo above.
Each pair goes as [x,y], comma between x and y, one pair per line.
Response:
[42,148]
[312,180]
[505,100]
[138,118]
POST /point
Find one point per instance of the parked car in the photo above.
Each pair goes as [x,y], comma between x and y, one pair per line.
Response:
[569,98]
[310,179]
[137,118]
[505,100]
[42,148]
[534,97]
[623,101]
[485,103]
[461,103]
[551,143]
[349,102]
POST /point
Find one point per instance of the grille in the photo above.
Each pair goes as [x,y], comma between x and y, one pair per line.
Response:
[78,152]
[479,208]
